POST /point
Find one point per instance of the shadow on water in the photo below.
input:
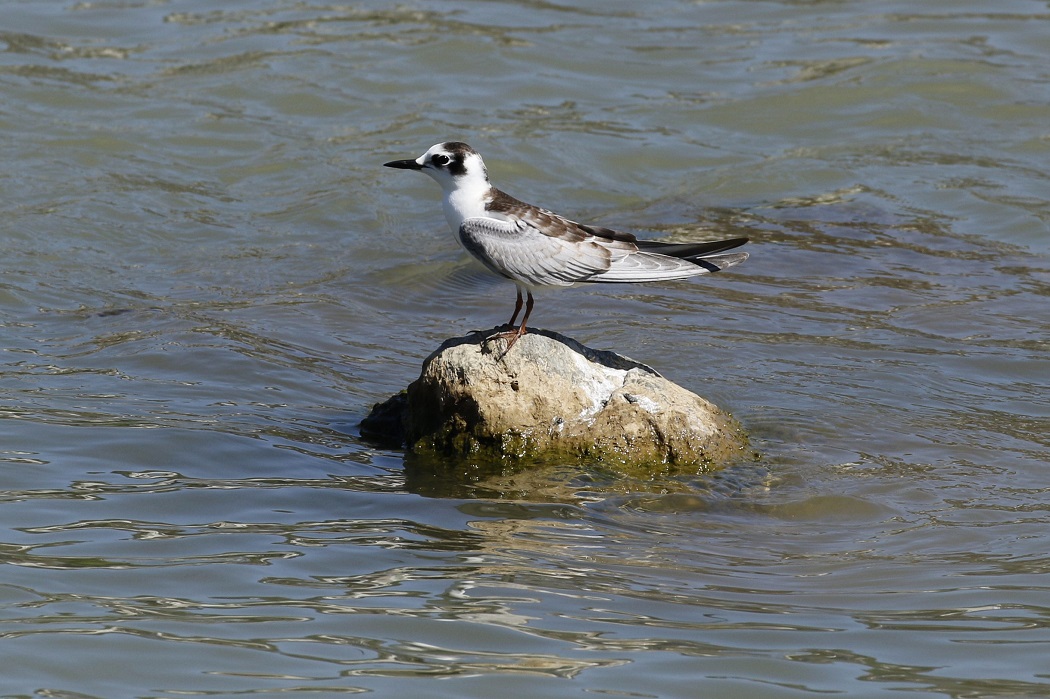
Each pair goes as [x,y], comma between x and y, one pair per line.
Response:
[564,483]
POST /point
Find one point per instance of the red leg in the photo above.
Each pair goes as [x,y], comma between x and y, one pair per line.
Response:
[517,307]
[515,334]
[528,312]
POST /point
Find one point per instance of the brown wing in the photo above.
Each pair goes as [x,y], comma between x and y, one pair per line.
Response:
[555,225]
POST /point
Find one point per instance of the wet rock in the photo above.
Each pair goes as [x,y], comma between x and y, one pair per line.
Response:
[552,399]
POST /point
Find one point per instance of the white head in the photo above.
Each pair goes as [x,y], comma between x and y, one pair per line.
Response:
[453,165]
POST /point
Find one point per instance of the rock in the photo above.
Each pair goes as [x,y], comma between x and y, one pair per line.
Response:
[552,399]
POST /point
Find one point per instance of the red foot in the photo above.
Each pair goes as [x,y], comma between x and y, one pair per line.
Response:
[510,335]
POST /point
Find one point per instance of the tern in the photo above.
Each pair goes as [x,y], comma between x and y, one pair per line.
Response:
[535,247]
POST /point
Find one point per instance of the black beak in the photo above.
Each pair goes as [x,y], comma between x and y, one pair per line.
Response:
[404,165]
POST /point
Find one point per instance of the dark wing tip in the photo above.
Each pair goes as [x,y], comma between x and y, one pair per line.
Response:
[688,251]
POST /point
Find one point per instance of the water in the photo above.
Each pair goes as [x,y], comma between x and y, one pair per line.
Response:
[206,279]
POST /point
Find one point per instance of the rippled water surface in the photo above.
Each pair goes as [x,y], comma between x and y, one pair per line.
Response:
[207,279]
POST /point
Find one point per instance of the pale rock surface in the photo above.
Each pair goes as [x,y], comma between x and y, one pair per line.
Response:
[552,399]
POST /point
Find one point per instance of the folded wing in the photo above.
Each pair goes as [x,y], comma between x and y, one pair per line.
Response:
[562,253]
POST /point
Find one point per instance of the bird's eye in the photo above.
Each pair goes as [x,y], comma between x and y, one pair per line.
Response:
[439,159]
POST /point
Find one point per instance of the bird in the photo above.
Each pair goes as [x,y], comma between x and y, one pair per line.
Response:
[535,247]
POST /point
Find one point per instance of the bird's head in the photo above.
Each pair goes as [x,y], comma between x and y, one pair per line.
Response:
[452,164]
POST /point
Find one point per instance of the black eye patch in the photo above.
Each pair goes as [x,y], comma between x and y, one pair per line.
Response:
[439,159]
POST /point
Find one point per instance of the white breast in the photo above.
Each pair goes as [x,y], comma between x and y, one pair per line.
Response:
[465,201]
